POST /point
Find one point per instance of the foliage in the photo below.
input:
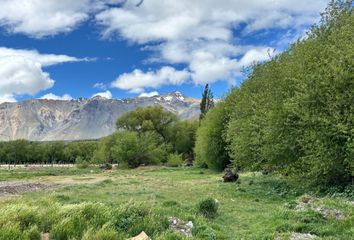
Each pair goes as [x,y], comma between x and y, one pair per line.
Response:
[182,136]
[23,151]
[295,112]
[207,102]
[133,149]
[210,147]
[174,160]
[81,163]
[154,119]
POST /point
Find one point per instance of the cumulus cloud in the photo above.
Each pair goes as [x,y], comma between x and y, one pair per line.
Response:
[51,96]
[203,67]
[204,37]
[19,75]
[149,94]
[38,18]
[156,20]
[201,35]
[21,71]
[137,80]
[107,94]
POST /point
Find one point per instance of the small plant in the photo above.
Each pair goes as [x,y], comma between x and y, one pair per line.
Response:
[174,160]
[208,207]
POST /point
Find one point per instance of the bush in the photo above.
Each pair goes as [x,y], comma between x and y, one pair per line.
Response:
[208,207]
[210,147]
[174,160]
[81,163]
[133,149]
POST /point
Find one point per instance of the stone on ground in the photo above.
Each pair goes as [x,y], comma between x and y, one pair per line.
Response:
[141,236]
[230,175]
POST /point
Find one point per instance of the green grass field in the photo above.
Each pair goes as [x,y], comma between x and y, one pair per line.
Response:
[255,207]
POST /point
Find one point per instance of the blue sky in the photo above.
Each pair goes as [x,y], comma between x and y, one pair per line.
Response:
[118,48]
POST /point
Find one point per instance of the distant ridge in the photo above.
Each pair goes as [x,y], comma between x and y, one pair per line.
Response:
[50,120]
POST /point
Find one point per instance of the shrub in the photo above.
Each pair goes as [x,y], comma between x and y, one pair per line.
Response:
[210,147]
[133,149]
[81,163]
[208,207]
[174,160]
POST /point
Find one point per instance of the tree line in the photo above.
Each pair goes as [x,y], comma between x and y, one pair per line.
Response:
[295,113]
[147,135]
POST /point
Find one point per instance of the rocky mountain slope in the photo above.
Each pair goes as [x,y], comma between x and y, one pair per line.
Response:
[48,120]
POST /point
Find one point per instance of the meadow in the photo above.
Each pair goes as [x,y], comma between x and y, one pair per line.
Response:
[119,204]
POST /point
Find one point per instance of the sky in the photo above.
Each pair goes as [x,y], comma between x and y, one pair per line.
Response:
[126,48]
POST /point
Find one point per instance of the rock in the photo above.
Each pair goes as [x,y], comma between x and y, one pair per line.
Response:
[330,212]
[106,167]
[45,236]
[230,175]
[308,202]
[189,157]
[302,236]
[141,236]
[181,227]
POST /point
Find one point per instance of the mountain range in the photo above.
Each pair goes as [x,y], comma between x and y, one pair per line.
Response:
[92,118]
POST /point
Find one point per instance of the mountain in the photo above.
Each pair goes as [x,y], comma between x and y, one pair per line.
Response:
[49,120]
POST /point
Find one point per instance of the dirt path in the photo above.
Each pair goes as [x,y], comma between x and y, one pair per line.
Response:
[13,188]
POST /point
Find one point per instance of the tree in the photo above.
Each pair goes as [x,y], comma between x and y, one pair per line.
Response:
[153,118]
[210,146]
[182,137]
[207,102]
[133,149]
[294,113]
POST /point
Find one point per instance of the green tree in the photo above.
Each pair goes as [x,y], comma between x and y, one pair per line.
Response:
[295,113]
[133,149]
[153,118]
[207,102]
[210,146]
[182,137]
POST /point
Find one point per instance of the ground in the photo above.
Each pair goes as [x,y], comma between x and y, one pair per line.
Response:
[255,207]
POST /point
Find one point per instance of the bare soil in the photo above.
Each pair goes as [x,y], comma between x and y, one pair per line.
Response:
[16,188]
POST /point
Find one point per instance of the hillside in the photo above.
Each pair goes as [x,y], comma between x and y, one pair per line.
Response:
[46,120]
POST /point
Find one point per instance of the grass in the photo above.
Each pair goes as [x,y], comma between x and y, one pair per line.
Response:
[27,173]
[256,207]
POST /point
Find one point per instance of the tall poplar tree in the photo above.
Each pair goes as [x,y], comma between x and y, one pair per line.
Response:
[207,102]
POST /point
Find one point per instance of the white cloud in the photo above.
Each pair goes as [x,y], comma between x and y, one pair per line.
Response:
[21,71]
[204,36]
[137,80]
[107,94]
[38,18]
[171,20]
[204,67]
[51,96]
[43,59]
[7,98]
[149,94]
[100,85]
[19,75]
